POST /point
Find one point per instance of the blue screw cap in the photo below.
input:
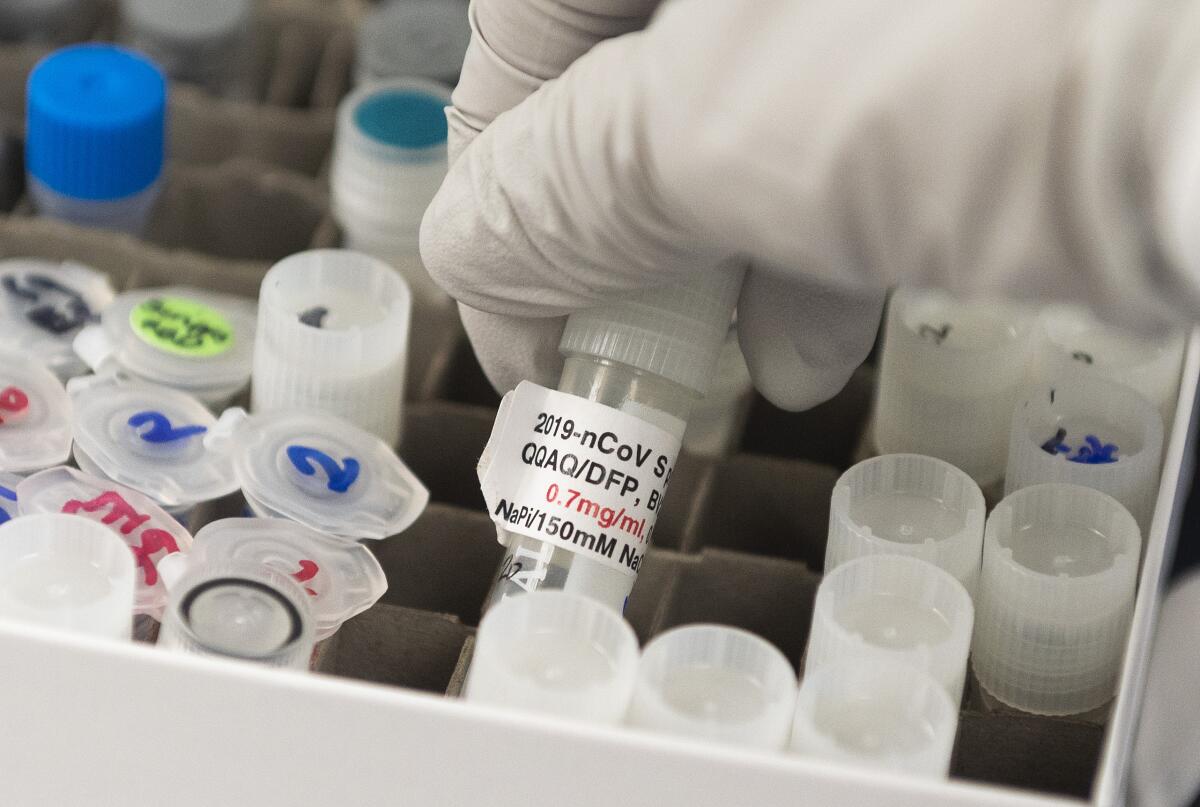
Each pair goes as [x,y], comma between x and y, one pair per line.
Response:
[96,122]
[403,118]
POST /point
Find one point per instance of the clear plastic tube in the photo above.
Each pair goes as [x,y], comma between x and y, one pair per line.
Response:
[531,564]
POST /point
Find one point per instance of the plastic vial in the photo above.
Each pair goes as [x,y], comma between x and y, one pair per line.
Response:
[885,715]
[239,610]
[320,471]
[556,653]
[144,527]
[66,572]
[333,337]
[35,416]
[389,159]
[44,304]
[1092,432]
[717,684]
[948,379]
[907,504]
[340,578]
[1055,598]
[718,419]
[149,438]
[651,357]
[884,608]
[413,39]
[95,136]
[37,20]
[195,341]
[206,43]
[1070,342]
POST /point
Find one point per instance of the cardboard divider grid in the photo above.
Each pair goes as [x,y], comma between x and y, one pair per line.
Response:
[740,540]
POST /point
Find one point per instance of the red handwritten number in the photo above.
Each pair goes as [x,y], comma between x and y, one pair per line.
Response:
[552,492]
[13,400]
[153,541]
[121,509]
[308,570]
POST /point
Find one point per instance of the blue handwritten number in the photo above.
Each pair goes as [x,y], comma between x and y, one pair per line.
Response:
[11,495]
[161,430]
[341,477]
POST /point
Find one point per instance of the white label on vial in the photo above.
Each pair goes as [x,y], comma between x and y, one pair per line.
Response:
[577,474]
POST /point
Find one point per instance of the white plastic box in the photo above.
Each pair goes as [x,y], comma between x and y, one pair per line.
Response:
[89,722]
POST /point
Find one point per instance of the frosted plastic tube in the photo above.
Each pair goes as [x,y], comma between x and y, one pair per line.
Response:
[907,504]
[1070,342]
[884,608]
[556,653]
[1055,598]
[239,610]
[717,684]
[1092,432]
[205,43]
[389,159]
[333,337]
[948,379]
[66,572]
[413,39]
[883,715]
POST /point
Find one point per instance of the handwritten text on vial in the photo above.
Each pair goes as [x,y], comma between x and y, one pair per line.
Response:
[577,474]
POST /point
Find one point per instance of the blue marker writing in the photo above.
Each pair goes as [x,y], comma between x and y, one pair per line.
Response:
[161,430]
[1094,451]
[341,476]
[11,495]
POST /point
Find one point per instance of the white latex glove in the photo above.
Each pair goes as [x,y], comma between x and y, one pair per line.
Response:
[1040,150]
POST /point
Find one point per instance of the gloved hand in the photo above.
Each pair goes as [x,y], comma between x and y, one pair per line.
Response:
[1045,151]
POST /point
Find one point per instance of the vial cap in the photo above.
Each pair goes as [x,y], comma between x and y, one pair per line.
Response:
[1069,341]
[66,572]
[421,38]
[239,610]
[675,332]
[717,684]
[35,416]
[95,122]
[340,578]
[197,341]
[557,653]
[885,715]
[145,527]
[333,337]
[1090,431]
[45,304]
[186,22]
[149,438]
[949,377]
[907,504]
[321,471]
[1055,598]
[882,608]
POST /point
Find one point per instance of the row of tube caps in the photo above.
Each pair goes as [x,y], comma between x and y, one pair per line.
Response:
[209,44]
[885,667]
[325,349]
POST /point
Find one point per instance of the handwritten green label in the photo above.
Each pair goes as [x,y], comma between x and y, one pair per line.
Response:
[182,327]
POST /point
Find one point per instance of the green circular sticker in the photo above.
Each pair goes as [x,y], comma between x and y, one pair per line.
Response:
[182,327]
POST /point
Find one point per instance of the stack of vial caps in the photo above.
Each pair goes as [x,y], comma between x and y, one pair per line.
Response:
[152,454]
[152,427]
